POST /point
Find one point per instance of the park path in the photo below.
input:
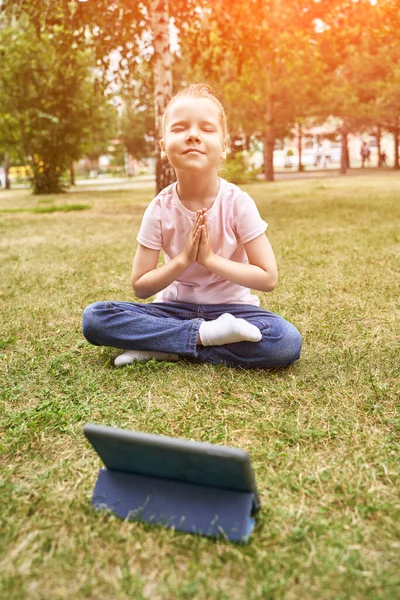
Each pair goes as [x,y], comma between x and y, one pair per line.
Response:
[106,182]
[148,181]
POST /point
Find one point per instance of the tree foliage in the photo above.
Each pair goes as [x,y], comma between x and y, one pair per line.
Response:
[278,62]
[51,104]
[264,56]
[274,63]
[359,45]
[137,128]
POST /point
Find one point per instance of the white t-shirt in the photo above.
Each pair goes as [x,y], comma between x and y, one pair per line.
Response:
[233,219]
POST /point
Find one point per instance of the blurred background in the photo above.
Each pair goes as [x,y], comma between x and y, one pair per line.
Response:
[306,84]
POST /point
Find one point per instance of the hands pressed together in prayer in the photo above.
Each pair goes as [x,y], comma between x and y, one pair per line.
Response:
[259,273]
[198,245]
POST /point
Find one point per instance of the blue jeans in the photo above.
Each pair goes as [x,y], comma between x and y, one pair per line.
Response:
[173,327]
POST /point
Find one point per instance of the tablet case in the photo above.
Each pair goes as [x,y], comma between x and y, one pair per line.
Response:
[198,500]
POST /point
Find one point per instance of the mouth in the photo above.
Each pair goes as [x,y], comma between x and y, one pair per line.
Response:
[190,150]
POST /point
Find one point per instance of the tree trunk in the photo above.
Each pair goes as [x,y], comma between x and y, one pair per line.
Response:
[72,174]
[378,143]
[347,153]
[344,157]
[162,75]
[396,164]
[269,142]
[46,178]
[6,166]
[299,142]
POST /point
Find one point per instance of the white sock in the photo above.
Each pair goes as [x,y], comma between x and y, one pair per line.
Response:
[129,356]
[227,329]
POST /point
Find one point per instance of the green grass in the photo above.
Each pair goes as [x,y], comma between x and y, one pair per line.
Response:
[323,435]
[48,209]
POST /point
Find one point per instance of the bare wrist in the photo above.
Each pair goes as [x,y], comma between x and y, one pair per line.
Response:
[208,262]
[183,261]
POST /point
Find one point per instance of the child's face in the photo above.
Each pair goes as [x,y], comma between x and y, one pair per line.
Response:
[193,137]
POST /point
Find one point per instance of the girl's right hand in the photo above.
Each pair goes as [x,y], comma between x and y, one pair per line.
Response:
[189,252]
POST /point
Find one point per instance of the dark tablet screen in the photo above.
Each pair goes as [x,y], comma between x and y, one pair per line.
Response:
[174,459]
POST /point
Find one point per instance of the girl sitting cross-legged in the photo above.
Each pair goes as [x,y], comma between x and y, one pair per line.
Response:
[215,251]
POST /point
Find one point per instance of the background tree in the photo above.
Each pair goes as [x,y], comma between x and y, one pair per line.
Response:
[275,64]
[263,54]
[357,43]
[8,143]
[120,34]
[135,30]
[51,99]
[99,132]
[137,121]
[162,83]
[388,86]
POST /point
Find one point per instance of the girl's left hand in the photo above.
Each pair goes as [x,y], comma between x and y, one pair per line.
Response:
[205,249]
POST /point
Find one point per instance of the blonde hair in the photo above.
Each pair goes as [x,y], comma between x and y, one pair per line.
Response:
[198,90]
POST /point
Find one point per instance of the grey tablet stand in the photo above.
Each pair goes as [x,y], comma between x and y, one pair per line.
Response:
[183,505]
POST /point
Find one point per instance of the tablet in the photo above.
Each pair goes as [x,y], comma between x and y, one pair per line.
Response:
[174,459]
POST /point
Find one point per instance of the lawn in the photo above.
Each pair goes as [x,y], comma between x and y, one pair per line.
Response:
[323,435]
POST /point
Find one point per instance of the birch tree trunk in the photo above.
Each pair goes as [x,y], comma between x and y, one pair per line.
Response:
[162,74]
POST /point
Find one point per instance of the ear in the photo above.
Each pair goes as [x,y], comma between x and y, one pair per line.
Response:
[223,152]
[162,146]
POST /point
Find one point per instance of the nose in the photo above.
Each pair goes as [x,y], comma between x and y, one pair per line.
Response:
[193,134]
